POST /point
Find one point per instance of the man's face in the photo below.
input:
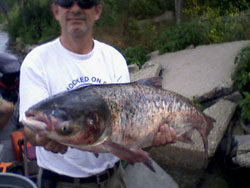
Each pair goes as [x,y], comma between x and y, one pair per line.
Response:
[75,21]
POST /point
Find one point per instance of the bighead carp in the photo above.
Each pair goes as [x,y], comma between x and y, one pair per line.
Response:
[117,118]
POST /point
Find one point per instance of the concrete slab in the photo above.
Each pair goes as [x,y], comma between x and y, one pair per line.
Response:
[193,155]
[139,176]
[200,73]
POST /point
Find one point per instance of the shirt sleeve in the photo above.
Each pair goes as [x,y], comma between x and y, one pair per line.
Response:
[32,85]
[122,73]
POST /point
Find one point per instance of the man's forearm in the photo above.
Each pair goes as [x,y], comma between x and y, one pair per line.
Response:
[6,110]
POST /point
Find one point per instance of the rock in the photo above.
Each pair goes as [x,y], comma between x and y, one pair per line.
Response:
[234,97]
[139,176]
[133,68]
[148,64]
[192,155]
[242,150]
[243,160]
[149,71]
[201,73]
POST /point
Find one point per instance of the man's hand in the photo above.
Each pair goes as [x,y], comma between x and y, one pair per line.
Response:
[47,143]
[165,135]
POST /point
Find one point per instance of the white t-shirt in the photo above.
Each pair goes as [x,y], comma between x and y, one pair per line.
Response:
[50,69]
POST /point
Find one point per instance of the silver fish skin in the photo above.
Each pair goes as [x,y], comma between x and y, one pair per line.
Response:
[117,118]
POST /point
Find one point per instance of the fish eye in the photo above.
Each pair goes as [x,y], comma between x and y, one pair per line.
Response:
[65,130]
[90,121]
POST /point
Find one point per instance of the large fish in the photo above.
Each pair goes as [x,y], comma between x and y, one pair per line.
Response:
[117,118]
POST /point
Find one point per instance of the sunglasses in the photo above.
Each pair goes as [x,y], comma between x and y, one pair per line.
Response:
[84,4]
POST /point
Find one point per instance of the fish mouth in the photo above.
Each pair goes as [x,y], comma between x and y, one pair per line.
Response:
[37,122]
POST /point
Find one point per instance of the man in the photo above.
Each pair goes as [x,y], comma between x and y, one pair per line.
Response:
[70,61]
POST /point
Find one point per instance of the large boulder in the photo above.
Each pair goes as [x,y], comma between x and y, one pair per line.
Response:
[200,73]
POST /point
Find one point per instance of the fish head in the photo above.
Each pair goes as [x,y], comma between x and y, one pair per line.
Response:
[70,118]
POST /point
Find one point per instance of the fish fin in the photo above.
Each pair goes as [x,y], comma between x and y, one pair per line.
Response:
[153,81]
[186,137]
[148,162]
[130,155]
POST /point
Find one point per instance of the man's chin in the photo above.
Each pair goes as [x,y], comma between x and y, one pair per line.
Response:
[77,32]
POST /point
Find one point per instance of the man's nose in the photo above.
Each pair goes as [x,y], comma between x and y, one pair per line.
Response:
[75,6]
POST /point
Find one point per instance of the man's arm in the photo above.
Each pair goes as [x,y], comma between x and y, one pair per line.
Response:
[6,110]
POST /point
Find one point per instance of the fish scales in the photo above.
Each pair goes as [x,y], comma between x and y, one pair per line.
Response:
[141,111]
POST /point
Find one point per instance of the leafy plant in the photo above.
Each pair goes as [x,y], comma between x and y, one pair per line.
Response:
[241,76]
[143,33]
[208,29]
[31,21]
[181,36]
[245,107]
[241,79]
[142,9]
[136,55]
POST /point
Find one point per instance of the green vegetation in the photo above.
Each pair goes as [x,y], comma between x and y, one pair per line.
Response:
[206,26]
[143,9]
[133,31]
[242,82]
[136,55]
[31,21]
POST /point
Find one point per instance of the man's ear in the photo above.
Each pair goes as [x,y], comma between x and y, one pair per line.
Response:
[54,9]
[98,10]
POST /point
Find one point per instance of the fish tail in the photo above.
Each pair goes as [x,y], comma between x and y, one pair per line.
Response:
[204,135]
[210,121]
[205,143]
